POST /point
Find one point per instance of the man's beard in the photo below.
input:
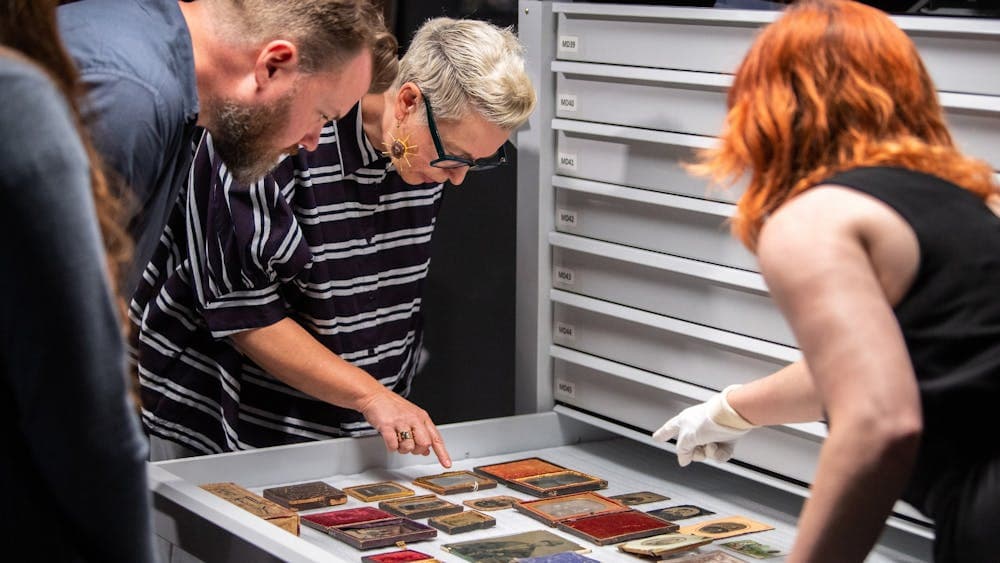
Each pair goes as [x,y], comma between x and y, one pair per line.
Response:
[242,136]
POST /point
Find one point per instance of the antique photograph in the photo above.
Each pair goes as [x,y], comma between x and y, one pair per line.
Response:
[421,506]
[680,512]
[663,544]
[639,497]
[379,491]
[500,502]
[462,522]
[370,535]
[502,549]
[753,549]
[604,529]
[402,556]
[716,556]
[573,506]
[557,480]
[726,527]
[314,494]
[455,482]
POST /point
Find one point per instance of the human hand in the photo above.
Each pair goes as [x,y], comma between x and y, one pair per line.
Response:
[708,430]
[405,427]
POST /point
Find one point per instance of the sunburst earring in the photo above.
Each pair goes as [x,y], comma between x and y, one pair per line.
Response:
[399,149]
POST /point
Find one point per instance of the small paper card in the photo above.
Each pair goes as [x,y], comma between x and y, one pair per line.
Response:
[314,494]
[753,549]
[379,491]
[725,527]
[462,522]
[421,506]
[455,482]
[664,544]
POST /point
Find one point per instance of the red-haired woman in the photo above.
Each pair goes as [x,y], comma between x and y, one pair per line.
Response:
[878,242]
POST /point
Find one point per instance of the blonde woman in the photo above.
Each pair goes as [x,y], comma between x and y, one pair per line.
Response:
[289,310]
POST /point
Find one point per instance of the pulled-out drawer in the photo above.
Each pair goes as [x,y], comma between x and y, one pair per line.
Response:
[706,294]
[681,350]
[681,226]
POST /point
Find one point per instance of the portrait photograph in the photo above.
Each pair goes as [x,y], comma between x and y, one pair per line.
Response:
[462,522]
[639,497]
[663,544]
[421,506]
[725,527]
[455,482]
[499,502]
[503,549]
[680,512]
[369,535]
[379,491]
[571,506]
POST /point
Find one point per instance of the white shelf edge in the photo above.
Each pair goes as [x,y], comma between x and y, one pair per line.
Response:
[722,338]
[723,275]
[970,102]
[633,133]
[719,209]
[717,81]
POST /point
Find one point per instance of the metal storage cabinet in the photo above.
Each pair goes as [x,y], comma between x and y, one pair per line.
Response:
[634,297]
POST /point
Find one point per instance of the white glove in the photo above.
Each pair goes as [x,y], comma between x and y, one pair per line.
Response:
[708,430]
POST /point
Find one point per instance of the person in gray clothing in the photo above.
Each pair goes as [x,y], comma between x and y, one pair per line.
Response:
[73,468]
[261,76]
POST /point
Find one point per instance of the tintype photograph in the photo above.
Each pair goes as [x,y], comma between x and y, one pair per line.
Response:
[725,527]
[421,506]
[303,496]
[379,491]
[577,505]
[455,482]
[502,549]
[680,512]
[559,483]
[664,544]
[369,535]
[499,502]
[462,522]
[638,497]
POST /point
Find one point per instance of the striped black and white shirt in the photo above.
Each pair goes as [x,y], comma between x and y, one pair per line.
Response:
[333,239]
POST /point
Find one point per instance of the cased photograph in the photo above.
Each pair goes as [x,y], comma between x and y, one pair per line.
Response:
[615,527]
[500,502]
[680,512]
[639,497]
[552,510]
[455,482]
[303,496]
[383,533]
[462,522]
[402,556]
[379,491]
[421,506]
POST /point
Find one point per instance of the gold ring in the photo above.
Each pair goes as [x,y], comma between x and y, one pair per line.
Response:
[404,435]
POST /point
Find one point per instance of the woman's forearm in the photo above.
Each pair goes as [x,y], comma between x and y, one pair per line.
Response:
[788,395]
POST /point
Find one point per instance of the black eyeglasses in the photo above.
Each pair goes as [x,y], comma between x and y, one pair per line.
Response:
[451,161]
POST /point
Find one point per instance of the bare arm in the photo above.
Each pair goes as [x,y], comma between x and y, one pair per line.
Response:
[827,281]
[288,351]
[787,395]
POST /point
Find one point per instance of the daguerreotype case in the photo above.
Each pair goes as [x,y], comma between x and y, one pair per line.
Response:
[421,506]
[552,510]
[462,522]
[379,491]
[303,496]
[455,482]
[541,478]
[282,517]
[616,527]
[402,556]
[368,528]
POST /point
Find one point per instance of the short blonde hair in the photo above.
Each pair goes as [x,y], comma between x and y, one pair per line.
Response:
[463,65]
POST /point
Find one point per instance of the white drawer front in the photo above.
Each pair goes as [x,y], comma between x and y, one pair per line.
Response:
[672,293]
[665,350]
[977,133]
[680,232]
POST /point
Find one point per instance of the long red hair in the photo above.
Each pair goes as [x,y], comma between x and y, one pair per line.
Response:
[831,85]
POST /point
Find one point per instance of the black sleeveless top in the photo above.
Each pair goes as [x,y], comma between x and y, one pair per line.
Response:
[950,318]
